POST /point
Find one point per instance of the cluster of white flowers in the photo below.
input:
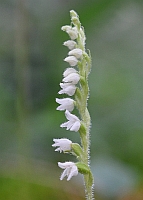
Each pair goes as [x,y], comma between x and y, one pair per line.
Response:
[75,84]
[68,86]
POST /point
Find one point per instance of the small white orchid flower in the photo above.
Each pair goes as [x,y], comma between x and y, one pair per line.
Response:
[67,88]
[70,44]
[66,104]
[69,71]
[72,60]
[72,78]
[73,124]
[75,52]
[63,144]
[70,170]
[72,31]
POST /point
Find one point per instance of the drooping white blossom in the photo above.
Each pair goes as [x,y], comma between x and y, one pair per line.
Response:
[66,104]
[75,52]
[73,123]
[70,44]
[72,60]
[70,170]
[63,144]
[67,88]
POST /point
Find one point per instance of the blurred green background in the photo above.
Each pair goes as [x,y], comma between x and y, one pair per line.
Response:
[31,67]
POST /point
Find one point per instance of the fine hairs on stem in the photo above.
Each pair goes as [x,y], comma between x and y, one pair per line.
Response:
[75,85]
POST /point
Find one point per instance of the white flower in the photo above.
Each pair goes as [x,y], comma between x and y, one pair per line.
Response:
[66,104]
[66,28]
[67,88]
[75,52]
[63,144]
[69,71]
[73,124]
[70,44]
[72,78]
[72,60]
[70,170]
[72,31]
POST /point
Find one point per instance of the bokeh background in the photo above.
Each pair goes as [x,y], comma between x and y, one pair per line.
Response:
[31,67]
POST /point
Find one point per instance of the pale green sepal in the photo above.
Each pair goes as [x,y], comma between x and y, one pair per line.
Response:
[78,94]
[77,149]
[83,168]
[82,81]
[82,129]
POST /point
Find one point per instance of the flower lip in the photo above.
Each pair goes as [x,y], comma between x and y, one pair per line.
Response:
[70,170]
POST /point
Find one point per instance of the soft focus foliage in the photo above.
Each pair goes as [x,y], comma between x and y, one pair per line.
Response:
[31,61]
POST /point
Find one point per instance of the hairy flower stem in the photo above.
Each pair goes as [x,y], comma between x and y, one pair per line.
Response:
[85,141]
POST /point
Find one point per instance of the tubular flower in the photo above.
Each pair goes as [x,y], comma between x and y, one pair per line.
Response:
[75,52]
[70,44]
[72,60]
[73,124]
[70,170]
[66,104]
[63,144]
[67,88]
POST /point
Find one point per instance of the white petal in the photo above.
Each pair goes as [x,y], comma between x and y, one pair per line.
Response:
[66,104]
[67,88]
[72,31]
[70,170]
[73,34]
[73,172]
[70,44]
[72,78]
[75,52]
[75,126]
[72,60]
[70,116]
[66,28]
[69,71]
